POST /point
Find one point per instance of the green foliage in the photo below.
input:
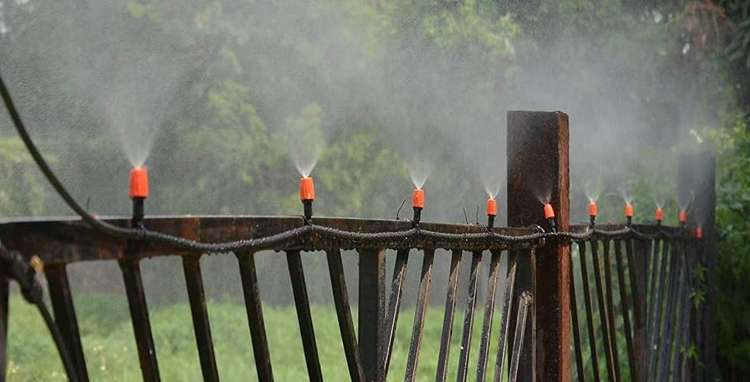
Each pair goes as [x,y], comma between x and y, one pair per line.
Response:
[734,229]
[108,343]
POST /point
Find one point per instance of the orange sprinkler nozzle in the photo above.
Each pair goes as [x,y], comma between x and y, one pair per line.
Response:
[593,209]
[628,210]
[699,232]
[549,212]
[417,198]
[491,207]
[138,183]
[682,216]
[659,214]
[306,189]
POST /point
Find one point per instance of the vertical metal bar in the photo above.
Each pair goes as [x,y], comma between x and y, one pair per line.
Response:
[394,304]
[131,274]
[518,342]
[637,270]
[602,311]
[665,346]
[653,280]
[538,144]
[574,318]
[682,313]
[450,309]
[371,310]
[611,318]
[659,263]
[589,312]
[197,296]
[471,303]
[254,309]
[344,315]
[425,283]
[489,314]
[302,304]
[619,264]
[65,315]
[510,282]
[661,290]
[4,314]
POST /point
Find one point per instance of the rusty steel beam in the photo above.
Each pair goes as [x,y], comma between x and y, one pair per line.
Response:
[538,167]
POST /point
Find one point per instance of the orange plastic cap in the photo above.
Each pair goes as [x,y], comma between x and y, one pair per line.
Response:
[306,189]
[699,232]
[549,212]
[659,214]
[628,210]
[417,198]
[593,209]
[138,183]
[491,207]
[682,216]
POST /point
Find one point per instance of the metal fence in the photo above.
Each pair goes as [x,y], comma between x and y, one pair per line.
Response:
[592,301]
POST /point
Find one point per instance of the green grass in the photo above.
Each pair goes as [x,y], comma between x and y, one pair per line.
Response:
[110,352]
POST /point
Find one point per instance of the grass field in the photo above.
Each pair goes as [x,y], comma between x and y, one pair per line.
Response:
[109,346]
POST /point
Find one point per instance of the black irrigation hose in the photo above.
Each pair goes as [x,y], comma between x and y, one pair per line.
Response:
[13,266]
[57,339]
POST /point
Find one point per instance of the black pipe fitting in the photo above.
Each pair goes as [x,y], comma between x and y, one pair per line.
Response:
[138,212]
[308,210]
[417,216]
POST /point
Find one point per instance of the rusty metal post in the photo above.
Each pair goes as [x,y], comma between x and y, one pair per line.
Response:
[697,175]
[538,168]
[371,310]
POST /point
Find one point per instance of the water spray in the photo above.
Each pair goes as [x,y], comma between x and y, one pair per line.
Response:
[491,212]
[549,214]
[659,215]
[417,203]
[138,194]
[629,210]
[682,216]
[307,195]
[593,211]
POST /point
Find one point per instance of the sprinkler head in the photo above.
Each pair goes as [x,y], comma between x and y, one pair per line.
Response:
[307,195]
[699,232]
[417,204]
[593,209]
[306,189]
[549,214]
[628,210]
[138,183]
[682,217]
[138,192]
[491,211]
[659,214]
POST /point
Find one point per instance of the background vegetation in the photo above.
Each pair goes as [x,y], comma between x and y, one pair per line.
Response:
[371,77]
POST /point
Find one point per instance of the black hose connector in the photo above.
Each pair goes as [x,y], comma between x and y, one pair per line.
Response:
[308,210]
[417,216]
[552,224]
[490,221]
[138,213]
[14,266]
